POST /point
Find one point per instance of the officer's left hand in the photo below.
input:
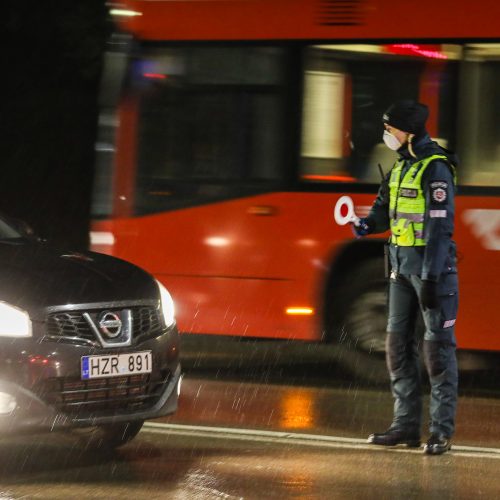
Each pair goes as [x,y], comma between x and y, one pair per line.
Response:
[428,294]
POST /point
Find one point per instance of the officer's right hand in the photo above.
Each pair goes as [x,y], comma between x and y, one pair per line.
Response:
[362,227]
[428,295]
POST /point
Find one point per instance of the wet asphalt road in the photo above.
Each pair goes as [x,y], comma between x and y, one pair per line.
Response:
[259,421]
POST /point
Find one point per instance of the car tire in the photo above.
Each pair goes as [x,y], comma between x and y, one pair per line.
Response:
[358,322]
[109,436]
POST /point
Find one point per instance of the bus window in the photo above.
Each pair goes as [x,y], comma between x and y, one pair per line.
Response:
[479,111]
[115,63]
[346,90]
[209,117]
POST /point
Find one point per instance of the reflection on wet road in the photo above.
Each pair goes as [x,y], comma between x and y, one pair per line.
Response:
[298,387]
[340,411]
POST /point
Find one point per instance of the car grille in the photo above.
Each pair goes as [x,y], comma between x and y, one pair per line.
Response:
[103,396]
[73,326]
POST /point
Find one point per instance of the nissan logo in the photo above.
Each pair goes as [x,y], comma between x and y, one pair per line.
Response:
[110,324]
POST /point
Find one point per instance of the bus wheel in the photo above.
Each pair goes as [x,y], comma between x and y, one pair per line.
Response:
[359,320]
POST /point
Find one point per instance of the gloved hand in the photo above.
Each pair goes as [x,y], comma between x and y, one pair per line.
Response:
[428,294]
[362,227]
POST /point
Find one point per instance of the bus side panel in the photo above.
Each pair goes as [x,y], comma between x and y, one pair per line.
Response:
[309,19]
[477,228]
[235,267]
[241,307]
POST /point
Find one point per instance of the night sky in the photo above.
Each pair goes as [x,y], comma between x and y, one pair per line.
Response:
[51,71]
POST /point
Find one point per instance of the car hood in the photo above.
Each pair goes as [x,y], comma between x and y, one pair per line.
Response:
[34,276]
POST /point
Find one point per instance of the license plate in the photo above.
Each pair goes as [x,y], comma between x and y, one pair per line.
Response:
[116,365]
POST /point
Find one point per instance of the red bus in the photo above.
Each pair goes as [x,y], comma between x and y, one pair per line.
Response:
[240,123]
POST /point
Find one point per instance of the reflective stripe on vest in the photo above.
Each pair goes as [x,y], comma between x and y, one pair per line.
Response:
[407,202]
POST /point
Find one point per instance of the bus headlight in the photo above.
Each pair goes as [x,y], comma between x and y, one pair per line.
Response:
[14,322]
[167,305]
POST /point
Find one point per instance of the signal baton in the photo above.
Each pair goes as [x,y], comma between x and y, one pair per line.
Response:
[350,216]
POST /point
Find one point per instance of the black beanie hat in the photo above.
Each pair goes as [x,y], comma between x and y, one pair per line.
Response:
[408,116]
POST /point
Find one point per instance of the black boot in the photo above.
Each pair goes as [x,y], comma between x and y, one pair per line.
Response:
[437,445]
[393,437]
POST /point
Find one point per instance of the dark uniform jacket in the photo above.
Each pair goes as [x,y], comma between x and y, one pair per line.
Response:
[439,254]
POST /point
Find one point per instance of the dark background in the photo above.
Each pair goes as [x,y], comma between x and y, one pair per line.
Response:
[52,61]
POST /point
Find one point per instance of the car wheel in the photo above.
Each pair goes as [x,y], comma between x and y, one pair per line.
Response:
[359,320]
[108,436]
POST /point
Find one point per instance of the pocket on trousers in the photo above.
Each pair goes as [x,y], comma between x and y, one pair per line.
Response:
[440,321]
[448,310]
[448,284]
[448,296]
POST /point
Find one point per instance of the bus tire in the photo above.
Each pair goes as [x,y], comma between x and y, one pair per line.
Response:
[358,322]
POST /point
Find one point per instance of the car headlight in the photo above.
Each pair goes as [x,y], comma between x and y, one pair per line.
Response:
[167,305]
[14,322]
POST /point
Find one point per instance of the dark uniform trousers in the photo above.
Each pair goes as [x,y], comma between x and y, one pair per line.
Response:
[439,354]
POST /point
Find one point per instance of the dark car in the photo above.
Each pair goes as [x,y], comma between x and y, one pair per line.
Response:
[88,342]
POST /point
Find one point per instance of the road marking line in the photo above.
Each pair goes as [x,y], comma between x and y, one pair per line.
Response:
[302,439]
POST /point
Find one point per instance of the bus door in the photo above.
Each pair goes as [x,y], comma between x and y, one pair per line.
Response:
[210,162]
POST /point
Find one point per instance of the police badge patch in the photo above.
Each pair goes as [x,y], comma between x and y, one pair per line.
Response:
[439,192]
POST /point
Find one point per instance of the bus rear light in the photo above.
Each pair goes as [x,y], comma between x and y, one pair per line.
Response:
[217,241]
[102,238]
[125,13]
[299,311]
[155,76]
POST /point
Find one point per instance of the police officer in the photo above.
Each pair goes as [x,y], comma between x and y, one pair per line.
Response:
[416,202]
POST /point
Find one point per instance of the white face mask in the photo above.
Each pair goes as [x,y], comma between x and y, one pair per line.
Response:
[391,141]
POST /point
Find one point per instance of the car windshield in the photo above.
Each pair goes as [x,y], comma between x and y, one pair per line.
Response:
[8,231]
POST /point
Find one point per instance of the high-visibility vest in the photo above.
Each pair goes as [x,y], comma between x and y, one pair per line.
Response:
[407,202]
